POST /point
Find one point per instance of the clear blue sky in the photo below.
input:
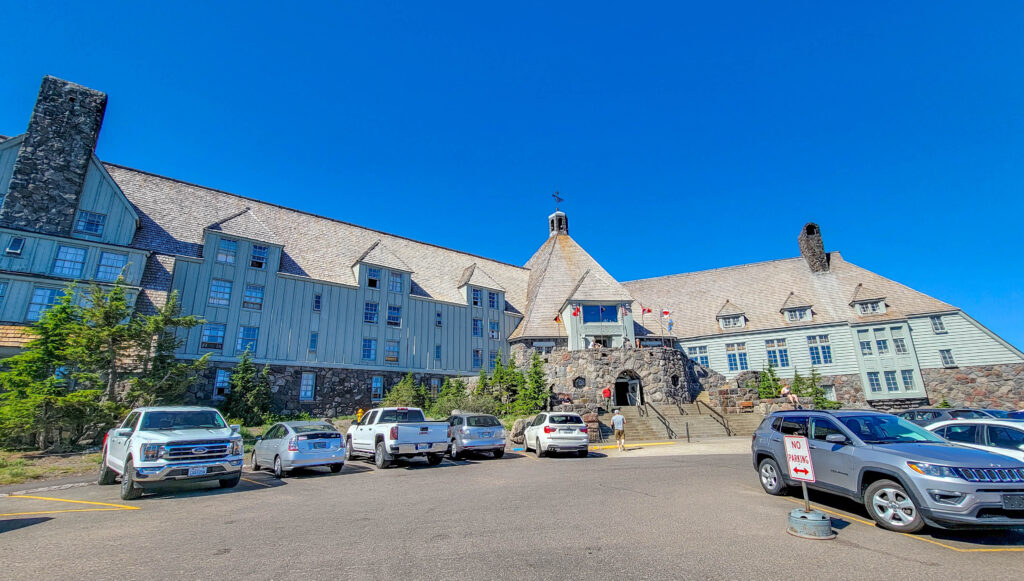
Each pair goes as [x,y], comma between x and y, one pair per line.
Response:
[683,137]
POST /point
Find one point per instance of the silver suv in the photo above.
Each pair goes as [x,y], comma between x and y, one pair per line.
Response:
[905,475]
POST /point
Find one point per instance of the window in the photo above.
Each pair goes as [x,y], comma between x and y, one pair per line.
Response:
[213,336]
[966,433]
[111,266]
[938,326]
[698,354]
[1004,437]
[253,297]
[247,338]
[42,300]
[899,345]
[438,320]
[947,357]
[15,247]
[890,381]
[314,341]
[478,358]
[600,313]
[316,302]
[731,322]
[369,349]
[222,383]
[477,297]
[370,313]
[908,379]
[377,388]
[830,392]
[90,223]
[478,327]
[794,425]
[258,257]
[871,308]
[69,261]
[391,352]
[736,353]
[307,386]
[492,300]
[220,292]
[373,277]
[394,316]
[874,382]
[437,352]
[494,330]
[435,386]
[883,346]
[226,250]
[492,359]
[821,350]
[865,343]
[822,429]
[395,282]
[778,354]
[793,315]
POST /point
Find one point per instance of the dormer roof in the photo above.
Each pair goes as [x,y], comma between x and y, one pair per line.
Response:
[593,288]
[379,255]
[244,224]
[794,301]
[729,310]
[863,294]
[474,275]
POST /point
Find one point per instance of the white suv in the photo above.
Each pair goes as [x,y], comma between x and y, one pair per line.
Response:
[557,432]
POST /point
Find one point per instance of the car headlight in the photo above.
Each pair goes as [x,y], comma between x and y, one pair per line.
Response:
[236,448]
[152,452]
[933,470]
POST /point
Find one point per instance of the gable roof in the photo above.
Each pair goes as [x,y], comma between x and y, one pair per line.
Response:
[862,293]
[474,275]
[729,310]
[245,224]
[696,297]
[794,301]
[379,255]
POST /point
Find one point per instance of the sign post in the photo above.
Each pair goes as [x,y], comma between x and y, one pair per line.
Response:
[807,524]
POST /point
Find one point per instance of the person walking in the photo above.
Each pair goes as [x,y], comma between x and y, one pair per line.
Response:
[619,425]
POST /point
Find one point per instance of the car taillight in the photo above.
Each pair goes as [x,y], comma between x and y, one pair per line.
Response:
[105,436]
[548,429]
[394,432]
[583,429]
[293,446]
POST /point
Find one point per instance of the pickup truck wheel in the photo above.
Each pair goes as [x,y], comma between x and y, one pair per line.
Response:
[499,453]
[453,451]
[380,456]
[771,477]
[254,462]
[434,459]
[230,482]
[278,468]
[128,489]
[335,468]
[107,476]
[892,508]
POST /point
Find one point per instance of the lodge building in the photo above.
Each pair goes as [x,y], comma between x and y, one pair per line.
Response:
[341,312]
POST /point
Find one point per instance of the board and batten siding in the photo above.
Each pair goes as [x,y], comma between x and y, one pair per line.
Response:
[40,250]
[892,361]
[102,196]
[8,153]
[970,343]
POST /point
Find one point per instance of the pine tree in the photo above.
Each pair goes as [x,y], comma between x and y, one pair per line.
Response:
[818,393]
[533,395]
[249,398]
[160,378]
[404,393]
[769,385]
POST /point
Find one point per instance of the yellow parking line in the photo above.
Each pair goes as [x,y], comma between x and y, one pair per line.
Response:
[60,511]
[118,506]
[260,483]
[638,445]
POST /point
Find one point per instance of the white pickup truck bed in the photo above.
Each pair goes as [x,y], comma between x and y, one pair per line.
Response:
[397,432]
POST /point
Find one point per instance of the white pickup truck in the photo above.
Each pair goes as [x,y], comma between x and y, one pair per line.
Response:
[396,432]
[156,445]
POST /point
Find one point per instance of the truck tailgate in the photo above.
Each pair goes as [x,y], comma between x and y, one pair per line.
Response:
[422,433]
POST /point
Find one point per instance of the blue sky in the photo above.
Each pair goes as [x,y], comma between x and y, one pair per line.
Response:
[682,136]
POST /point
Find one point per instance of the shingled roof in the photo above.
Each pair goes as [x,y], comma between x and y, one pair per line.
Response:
[696,298]
[476,276]
[245,224]
[379,255]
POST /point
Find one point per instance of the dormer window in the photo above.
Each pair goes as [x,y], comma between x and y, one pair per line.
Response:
[226,250]
[732,322]
[15,247]
[373,278]
[870,308]
[796,315]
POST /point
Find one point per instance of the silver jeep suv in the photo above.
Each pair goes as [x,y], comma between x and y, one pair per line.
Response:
[905,475]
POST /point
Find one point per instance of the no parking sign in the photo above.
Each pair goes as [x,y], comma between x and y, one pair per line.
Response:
[798,457]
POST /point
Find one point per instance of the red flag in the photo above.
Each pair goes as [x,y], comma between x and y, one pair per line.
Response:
[576,311]
[666,313]
[558,318]
[644,310]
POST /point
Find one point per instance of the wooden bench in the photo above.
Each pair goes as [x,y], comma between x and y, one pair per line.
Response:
[746,406]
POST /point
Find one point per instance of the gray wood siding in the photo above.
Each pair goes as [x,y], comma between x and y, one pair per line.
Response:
[101,195]
[970,343]
[14,306]
[8,153]
[40,250]
[895,362]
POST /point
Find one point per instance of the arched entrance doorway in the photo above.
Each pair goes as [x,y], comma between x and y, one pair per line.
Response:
[628,390]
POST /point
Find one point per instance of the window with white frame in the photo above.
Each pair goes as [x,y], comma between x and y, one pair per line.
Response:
[830,392]
[778,354]
[373,278]
[736,355]
[477,295]
[874,383]
[947,357]
[881,342]
[890,381]
[15,246]
[314,341]
[213,336]
[395,282]
[369,349]
[42,300]
[307,386]
[492,300]
[478,358]
[316,302]
[258,256]
[731,322]
[899,345]
[394,316]
[221,383]
[438,320]
[865,343]
[376,388]
[220,292]
[435,386]
[492,359]
[247,339]
[90,223]
[908,379]
[253,297]
[391,350]
[820,349]
[494,330]
[370,313]
[938,327]
[226,251]
[871,307]
[68,262]
[794,315]
[111,266]
[478,327]
[699,354]
[437,351]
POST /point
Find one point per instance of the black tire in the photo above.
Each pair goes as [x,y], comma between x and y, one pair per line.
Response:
[892,508]
[536,448]
[107,476]
[348,449]
[583,453]
[434,459]
[452,452]
[335,468]
[129,491]
[771,477]
[230,482]
[255,464]
[498,453]
[279,471]
[380,456]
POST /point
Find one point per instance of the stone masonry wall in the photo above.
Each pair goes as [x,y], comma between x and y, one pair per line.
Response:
[743,388]
[982,386]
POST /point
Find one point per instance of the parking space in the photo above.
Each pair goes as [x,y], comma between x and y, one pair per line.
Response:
[659,515]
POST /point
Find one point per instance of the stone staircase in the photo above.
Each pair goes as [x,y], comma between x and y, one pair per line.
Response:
[701,423]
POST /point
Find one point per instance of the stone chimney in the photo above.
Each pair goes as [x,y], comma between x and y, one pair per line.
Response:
[50,169]
[558,223]
[812,248]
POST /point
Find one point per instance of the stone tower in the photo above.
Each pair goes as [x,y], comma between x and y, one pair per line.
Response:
[812,248]
[51,166]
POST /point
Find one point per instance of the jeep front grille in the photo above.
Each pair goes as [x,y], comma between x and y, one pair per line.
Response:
[991,474]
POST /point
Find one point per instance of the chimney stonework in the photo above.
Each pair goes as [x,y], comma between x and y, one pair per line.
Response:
[813,248]
[51,166]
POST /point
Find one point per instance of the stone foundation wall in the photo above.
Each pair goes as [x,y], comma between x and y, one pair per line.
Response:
[982,386]
[729,397]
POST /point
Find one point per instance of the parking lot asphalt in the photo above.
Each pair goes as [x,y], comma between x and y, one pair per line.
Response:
[640,514]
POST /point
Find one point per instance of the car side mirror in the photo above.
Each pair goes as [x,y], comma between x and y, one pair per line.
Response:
[259,438]
[236,428]
[123,432]
[836,439]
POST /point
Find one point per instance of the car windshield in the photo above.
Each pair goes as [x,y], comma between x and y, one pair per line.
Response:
[307,428]
[564,419]
[182,420]
[482,422]
[884,429]
[400,416]
[998,413]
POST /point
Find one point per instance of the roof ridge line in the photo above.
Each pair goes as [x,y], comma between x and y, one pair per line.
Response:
[745,265]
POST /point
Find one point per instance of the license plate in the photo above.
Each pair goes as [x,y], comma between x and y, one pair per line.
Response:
[564,431]
[422,446]
[319,444]
[197,470]
[486,434]
[1013,501]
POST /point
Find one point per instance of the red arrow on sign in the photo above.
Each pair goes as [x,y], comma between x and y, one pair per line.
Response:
[801,471]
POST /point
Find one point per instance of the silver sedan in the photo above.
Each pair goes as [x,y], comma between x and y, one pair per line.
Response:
[289,445]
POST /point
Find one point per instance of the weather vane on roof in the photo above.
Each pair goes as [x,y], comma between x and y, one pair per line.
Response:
[558,200]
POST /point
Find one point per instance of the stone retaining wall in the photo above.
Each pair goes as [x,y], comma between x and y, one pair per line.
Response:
[982,386]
